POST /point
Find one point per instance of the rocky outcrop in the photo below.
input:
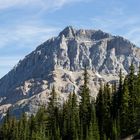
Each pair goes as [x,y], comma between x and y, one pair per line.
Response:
[60,61]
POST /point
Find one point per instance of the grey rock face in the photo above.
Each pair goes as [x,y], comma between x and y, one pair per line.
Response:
[60,61]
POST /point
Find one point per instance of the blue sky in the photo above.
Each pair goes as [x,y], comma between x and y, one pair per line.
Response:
[24,24]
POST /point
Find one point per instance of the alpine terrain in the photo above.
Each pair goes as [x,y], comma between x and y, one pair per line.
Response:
[60,61]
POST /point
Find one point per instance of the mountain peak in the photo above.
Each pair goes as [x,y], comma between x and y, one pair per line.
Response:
[69,32]
[60,62]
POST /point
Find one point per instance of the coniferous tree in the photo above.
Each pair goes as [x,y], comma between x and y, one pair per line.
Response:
[116,98]
[85,110]
[115,134]
[124,110]
[133,100]
[138,100]
[23,128]
[94,130]
[107,110]
[114,115]
[70,118]
[32,127]
[100,111]
[6,128]
[41,119]
[120,90]
[74,117]
[53,112]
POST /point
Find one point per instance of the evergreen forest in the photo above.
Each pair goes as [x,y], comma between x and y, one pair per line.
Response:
[113,115]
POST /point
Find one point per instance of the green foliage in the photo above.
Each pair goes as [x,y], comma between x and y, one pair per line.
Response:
[114,114]
[124,111]
[84,108]
[100,111]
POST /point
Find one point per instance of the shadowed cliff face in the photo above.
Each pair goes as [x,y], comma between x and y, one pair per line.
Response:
[60,61]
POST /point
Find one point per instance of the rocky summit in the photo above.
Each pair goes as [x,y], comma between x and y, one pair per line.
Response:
[60,61]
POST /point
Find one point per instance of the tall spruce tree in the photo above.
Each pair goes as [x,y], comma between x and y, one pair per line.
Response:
[93,129]
[107,110]
[133,99]
[41,119]
[23,128]
[70,118]
[53,112]
[124,110]
[138,100]
[100,111]
[116,98]
[115,134]
[85,110]
[74,117]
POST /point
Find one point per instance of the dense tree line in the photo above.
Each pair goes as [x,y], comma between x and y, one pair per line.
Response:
[113,115]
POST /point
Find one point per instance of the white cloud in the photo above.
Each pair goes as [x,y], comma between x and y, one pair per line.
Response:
[10,3]
[29,35]
[127,26]
[114,23]
[45,4]
[29,32]
[134,35]
[21,37]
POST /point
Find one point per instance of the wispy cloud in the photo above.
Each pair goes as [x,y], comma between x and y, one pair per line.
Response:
[17,41]
[113,23]
[47,4]
[134,35]
[116,21]
[9,3]
[28,27]
[27,23]
[33,31]
[26,30]
[30,35]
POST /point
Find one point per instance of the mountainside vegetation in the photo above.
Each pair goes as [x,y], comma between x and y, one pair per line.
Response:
[114,114]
